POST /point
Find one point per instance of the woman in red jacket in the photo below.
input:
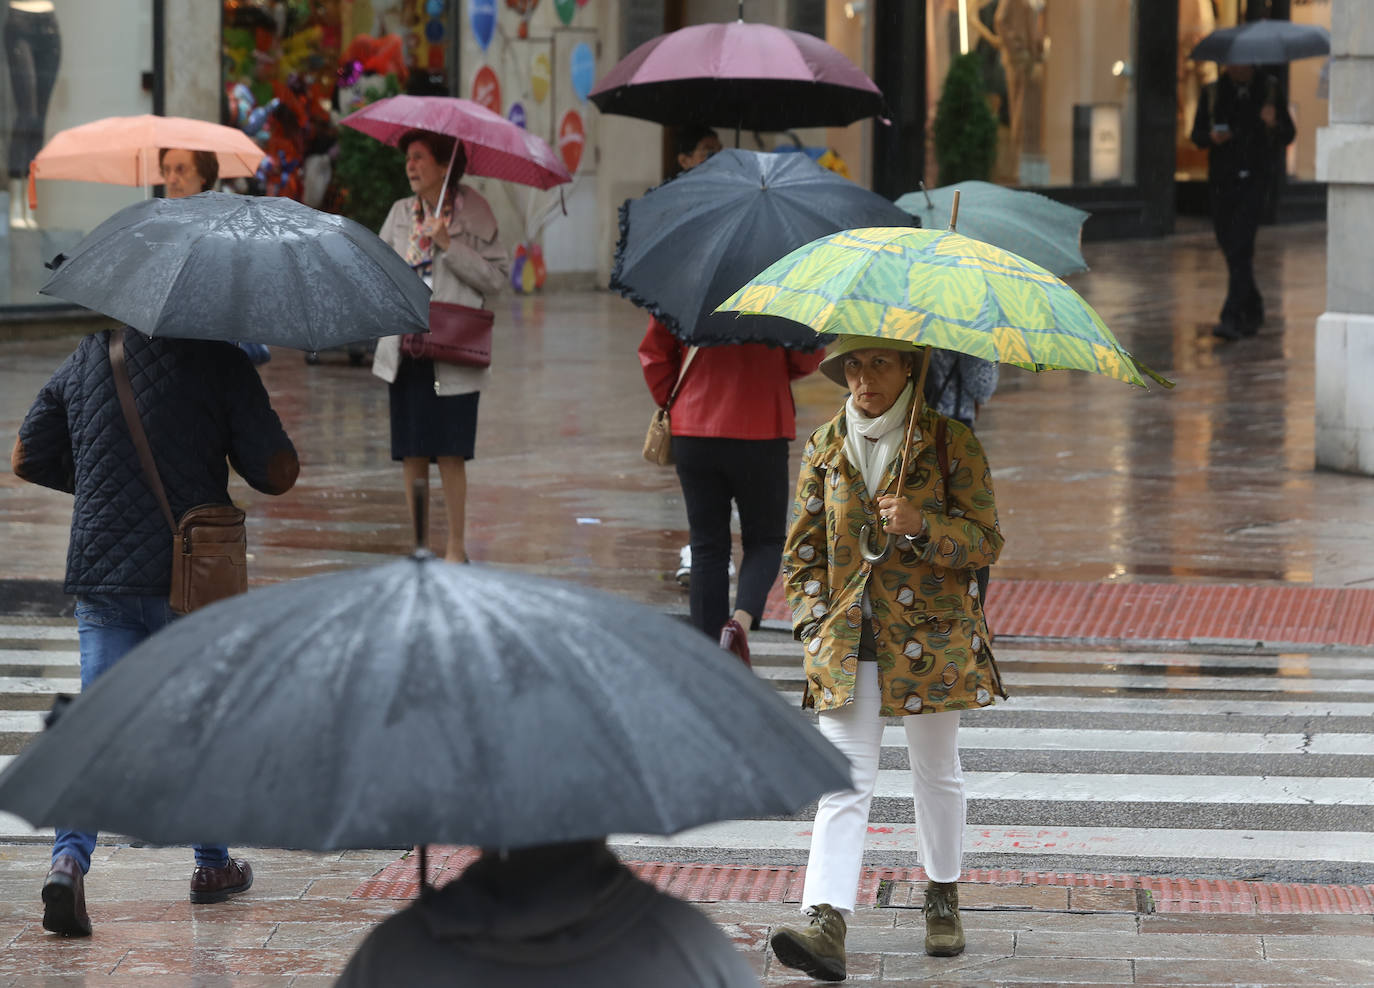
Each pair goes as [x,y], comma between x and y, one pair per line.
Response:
[731,421]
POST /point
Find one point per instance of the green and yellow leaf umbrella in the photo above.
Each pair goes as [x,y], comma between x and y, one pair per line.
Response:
[940,289]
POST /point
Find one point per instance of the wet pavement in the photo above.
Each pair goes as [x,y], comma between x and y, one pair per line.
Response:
[1096,480]
[304,917]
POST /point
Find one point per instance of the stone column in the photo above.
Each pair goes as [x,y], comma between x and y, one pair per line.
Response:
[192,59]
[1345,331]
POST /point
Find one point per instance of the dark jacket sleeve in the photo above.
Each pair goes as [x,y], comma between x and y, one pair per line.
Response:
[1284,131]
[43,450]
[1202,119]
[259,449]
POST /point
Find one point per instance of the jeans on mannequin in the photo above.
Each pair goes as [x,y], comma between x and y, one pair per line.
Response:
[33,47]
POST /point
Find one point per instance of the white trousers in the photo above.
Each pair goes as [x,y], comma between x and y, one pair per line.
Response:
[837,841]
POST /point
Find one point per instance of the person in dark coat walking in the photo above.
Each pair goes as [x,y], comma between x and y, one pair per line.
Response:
[203,408]
[555,916]
[1243,122]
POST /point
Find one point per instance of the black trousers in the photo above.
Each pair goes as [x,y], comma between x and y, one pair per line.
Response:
[1237,205]
[34,49]
[751,473]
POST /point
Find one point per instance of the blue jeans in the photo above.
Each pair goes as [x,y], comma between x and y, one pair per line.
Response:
[109,626]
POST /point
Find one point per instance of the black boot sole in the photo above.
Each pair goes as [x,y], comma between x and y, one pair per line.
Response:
[790,952]
[59,911]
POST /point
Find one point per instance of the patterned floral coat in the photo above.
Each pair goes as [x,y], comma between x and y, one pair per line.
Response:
[932,638]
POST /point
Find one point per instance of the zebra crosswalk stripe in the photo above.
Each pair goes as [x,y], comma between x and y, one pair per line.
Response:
[1162,762]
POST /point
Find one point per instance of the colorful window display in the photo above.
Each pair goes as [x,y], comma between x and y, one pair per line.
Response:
[292,68]
[1058,78]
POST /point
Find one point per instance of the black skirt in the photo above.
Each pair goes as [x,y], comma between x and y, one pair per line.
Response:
[424,424]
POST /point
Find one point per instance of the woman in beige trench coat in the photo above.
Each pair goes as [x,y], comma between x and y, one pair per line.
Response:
[455,247]
[903,637]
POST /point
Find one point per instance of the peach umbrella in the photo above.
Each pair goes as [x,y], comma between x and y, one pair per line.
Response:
[123,150]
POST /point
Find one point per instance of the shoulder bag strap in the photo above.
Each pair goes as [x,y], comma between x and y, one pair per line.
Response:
[126,401]
[687,362]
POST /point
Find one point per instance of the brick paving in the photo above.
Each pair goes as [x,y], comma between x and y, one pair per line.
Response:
[1253,615]
[1068,891]
[302,919]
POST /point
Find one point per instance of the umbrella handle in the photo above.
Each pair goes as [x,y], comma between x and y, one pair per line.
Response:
[865,550]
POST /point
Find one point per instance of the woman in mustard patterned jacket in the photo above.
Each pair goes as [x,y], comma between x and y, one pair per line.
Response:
[904,637]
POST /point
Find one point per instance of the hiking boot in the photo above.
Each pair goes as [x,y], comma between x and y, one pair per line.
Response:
[217,884]
[817,950]
[64,899]
[944,931]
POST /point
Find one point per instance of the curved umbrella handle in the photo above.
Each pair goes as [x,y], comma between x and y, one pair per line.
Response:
[869,555]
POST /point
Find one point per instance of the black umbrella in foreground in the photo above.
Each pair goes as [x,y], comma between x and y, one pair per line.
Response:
[420,702]
[219,266]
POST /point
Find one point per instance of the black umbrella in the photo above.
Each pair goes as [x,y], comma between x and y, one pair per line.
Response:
[690,243]
[218,266]
[1263,43]
[419,702]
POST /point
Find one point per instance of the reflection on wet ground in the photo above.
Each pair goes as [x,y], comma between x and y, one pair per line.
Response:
[1096,480]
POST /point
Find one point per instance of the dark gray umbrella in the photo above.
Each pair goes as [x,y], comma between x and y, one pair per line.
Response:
[218,266]
[418,702]
[1263,43]
[690,243]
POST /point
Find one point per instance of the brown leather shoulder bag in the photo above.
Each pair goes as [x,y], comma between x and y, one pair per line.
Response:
[210,542]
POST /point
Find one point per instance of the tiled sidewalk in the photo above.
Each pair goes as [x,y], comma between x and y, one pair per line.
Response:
[302,920]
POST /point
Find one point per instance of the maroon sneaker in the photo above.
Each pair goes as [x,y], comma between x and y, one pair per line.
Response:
[734,639]
[217,884]
[64,899]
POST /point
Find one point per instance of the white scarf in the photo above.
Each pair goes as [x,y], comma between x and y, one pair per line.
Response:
[870,457]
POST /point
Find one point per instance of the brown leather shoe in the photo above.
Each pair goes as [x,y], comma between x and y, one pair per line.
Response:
[217,884]
[733,638]
[64,899]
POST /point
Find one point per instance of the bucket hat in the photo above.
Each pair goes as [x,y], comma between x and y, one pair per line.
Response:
[833,364]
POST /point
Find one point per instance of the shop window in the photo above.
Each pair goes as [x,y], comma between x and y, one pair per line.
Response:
[1058,77]
[1306,85]
[292,69]
[62,70]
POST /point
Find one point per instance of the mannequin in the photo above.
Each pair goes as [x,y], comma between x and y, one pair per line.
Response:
[34,48]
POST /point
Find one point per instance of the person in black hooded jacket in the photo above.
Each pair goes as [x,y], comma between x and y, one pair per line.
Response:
[555,916]
[203,408]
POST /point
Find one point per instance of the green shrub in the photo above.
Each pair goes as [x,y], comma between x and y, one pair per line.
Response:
[371,175]
[965,128]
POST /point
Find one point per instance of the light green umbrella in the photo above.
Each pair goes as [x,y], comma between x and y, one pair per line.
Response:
[937,288]
[942,289]
[1035,227]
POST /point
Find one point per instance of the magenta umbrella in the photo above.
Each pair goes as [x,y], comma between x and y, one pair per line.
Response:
[496,148]
[746,76]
